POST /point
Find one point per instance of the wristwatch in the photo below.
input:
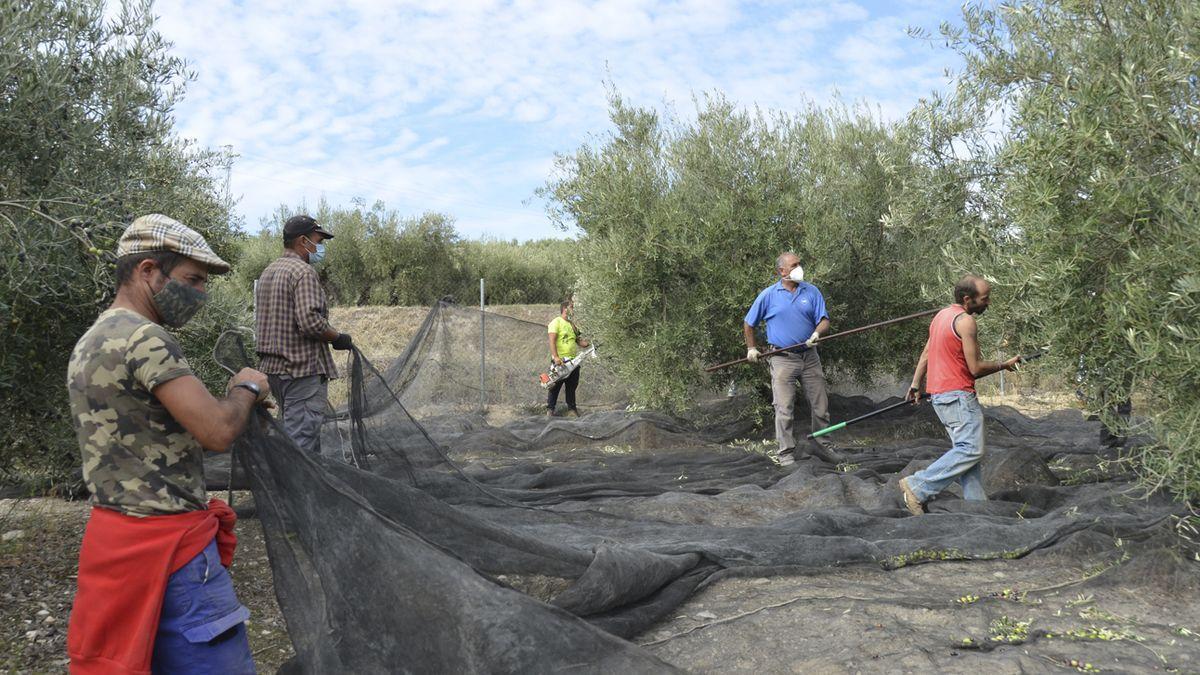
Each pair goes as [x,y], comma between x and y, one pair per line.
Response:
[251,387]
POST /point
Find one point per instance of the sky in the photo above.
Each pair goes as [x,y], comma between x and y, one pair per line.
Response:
[459,107]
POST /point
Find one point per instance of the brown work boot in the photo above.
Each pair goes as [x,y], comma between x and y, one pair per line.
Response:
[911,502]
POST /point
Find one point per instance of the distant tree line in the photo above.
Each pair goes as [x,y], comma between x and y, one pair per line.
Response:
[378,257]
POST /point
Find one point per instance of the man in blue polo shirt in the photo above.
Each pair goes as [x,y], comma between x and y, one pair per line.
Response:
[795,315]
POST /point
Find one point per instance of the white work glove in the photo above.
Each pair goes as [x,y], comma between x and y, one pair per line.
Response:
[752,355]
[812,340]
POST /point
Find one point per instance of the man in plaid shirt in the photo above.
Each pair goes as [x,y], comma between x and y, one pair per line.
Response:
[293,332]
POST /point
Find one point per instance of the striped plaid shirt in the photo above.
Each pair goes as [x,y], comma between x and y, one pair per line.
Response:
[290,315]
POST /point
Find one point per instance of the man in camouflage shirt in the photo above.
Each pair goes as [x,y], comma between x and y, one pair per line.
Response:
[292,332]
[143,420]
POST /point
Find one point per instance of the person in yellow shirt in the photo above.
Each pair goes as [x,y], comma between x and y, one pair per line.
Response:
[564,344]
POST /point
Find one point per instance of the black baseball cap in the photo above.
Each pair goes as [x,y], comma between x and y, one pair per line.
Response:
[301,225]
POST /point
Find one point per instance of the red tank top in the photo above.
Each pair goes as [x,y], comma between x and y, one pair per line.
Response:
[948,369]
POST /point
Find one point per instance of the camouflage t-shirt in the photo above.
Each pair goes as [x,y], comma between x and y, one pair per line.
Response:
[136,458]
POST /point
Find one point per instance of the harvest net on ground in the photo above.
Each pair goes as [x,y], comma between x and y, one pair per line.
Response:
[427,539]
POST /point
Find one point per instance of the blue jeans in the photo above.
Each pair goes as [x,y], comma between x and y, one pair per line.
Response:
[203,626]
[960,413]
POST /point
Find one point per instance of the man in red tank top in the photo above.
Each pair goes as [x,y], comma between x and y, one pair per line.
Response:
[947,369]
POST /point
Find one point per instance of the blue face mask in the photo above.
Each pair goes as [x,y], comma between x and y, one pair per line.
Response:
[317,255]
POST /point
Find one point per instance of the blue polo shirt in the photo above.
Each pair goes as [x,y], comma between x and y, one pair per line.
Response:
[791,316]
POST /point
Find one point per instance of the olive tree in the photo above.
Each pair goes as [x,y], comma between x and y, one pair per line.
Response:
[1076,125]
[682,222]
[86,143]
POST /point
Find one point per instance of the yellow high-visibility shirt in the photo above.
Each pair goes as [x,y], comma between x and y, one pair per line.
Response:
[565,342]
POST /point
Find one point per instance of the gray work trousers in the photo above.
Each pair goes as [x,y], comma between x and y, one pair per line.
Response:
[787,369]
[302,402]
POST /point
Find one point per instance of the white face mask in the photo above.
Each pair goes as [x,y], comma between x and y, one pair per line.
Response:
[797,274]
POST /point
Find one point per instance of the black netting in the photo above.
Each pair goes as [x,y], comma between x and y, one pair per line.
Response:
[439,372]
[457,541]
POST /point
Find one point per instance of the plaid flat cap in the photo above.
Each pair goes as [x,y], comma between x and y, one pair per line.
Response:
[156,232]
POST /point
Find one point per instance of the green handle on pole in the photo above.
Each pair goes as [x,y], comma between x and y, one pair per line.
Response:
[828,430]
[842,425]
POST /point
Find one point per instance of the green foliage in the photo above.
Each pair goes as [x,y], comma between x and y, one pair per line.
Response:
[378,257]
[85,144]
[683,221]
[1091,181]
[1011,631]
[519,273]
[254,253]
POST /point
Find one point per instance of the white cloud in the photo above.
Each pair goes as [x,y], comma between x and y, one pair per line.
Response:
[819,17]
[448,105]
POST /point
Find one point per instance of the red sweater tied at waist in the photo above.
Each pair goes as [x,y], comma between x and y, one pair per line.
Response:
[124,565]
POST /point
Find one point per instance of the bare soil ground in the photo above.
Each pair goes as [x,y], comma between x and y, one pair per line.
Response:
[382,333]
[948,617]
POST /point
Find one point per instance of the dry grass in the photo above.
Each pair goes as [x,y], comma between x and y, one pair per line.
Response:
[37,581]
[1033,404]
[382,333]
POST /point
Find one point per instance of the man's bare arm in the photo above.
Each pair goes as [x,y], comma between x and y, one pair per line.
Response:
[215,423]
[918,381]
[968,330]
[823,327]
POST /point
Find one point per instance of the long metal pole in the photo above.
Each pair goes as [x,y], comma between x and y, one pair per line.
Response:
[842,425]
[483,342]
[827,338]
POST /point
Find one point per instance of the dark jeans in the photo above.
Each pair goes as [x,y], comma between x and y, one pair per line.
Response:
[572,382]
